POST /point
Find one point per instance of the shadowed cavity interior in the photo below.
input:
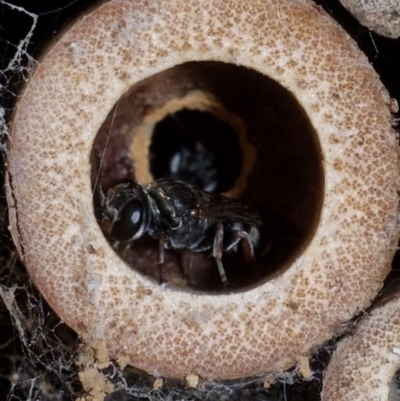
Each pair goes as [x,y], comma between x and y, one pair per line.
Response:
[223,128]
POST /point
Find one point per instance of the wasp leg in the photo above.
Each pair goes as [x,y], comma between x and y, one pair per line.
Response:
[247,244]
[247,247]
[101,195]
[186,266]
[160,260]
[161,251]
[217,252]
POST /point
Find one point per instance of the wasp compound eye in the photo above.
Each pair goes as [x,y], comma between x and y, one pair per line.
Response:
[130,222]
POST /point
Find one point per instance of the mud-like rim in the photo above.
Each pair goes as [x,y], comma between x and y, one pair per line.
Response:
[375,342]
[172,333]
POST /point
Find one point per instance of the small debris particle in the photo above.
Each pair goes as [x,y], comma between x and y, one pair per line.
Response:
[158,383]
[101,351]
[123,361]
[304,367]
[95,384]
[394,106]
[269,381]
[91,250]
[192,380]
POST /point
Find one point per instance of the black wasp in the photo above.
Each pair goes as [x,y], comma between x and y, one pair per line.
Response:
[181,217]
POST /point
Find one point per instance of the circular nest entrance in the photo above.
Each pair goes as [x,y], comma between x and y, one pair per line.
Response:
[224,129]
[91,115]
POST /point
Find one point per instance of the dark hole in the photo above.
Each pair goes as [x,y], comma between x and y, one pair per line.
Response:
[284,181]
[198,148]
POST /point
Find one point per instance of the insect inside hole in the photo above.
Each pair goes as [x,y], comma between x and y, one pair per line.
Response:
[181,217]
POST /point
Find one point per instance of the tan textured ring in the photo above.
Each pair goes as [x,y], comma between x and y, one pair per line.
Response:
[382,16]
[174,333]
[364,365]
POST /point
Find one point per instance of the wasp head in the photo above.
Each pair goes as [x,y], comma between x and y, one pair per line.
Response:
[126,212]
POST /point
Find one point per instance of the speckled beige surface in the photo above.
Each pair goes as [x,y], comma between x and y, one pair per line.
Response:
[173,333]
[364,365]
[382,16]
